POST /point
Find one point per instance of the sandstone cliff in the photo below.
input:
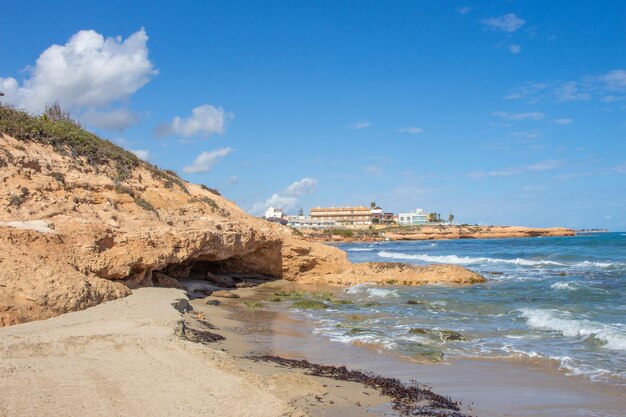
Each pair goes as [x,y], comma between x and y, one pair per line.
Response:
[83,221]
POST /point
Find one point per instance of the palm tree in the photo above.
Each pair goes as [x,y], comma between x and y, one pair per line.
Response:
[373,204]
[450,218]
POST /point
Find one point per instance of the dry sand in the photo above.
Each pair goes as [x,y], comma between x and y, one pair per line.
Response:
[125,357]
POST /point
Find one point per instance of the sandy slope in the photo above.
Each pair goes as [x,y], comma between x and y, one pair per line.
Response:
[124,358]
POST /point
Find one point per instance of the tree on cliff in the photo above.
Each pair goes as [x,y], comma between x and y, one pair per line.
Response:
[373,204]
[450,218]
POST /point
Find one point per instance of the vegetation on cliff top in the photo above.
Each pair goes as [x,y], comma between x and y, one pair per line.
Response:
[67,137]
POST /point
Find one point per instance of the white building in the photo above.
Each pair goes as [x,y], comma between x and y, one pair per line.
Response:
[412,218]
[306,222]
[274,213]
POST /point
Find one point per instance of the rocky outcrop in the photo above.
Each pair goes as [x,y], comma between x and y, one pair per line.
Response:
[475,232]
[78,228]
[438,232]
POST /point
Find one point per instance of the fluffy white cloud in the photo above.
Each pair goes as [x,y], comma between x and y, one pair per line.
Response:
[506,23]
[207,160]
[288,198]
[411,130]
[116,119]
[506,172]
[518,116]
[88,71]
[205,120]
[301,187]
[360,125]
[141,153]
[515,49]
[563,121]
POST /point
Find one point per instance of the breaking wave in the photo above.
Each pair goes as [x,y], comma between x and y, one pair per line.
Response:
[464,260]
[613,337]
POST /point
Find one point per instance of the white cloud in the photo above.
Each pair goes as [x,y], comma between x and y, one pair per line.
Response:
[205,120]
[506,172]
[515,49]
[518,116]
[614,80]
[141,153]
[411,130]
[506,23]
[116,119]
[360,125]
[528,89]
[287,199]
[607,87]
[302,187]
[563,121]
[89,71]
[463,10]
[233,180]
[528,134]
[570,91]
[207,160]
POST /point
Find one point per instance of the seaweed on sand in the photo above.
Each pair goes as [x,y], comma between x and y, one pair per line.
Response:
[408,399]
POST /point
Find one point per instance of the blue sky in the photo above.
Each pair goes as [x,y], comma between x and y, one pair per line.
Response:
[504,112]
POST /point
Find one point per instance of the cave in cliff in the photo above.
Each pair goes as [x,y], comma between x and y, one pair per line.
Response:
[202,277]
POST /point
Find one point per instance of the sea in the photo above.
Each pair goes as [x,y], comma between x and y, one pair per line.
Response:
[561,300]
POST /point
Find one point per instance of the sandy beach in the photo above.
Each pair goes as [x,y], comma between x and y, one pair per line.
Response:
[127,357]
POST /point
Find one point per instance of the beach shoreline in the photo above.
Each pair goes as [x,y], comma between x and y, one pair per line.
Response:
[150,354]
[521,387]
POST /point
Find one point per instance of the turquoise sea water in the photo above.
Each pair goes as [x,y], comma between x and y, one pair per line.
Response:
[561,300]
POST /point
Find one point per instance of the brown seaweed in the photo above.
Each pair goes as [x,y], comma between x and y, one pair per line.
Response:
[410,399]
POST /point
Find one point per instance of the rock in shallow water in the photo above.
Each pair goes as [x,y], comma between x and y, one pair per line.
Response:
[444,335]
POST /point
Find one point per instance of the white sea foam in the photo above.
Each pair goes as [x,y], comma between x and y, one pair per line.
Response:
[382,292]
[360,249]
[355,289]
[371,291]
[464,260]
[613,336]
[587,264]
[568,286]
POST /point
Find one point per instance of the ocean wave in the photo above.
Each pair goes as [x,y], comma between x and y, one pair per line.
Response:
[360,249]
[464,260]
[612,336]
[355,289]
[569,286]
[382,292]
[587,264]
[371,291]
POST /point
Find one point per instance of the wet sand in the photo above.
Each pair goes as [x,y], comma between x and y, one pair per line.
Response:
[512,388]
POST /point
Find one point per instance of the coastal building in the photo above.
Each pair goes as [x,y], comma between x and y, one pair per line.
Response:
[351,217]
[380,217]
[306,222]
[412,218]
[274,213]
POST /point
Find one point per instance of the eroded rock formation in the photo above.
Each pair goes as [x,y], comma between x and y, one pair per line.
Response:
[78,228]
